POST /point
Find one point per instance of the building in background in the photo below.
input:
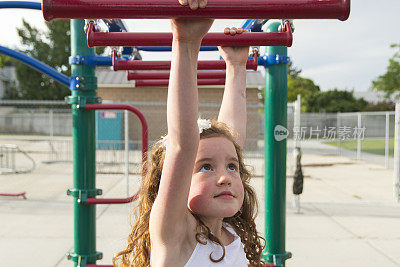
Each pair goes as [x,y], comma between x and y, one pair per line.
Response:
[7,78]
[152,102]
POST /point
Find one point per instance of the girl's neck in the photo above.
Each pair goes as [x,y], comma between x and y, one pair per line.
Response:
[215,226]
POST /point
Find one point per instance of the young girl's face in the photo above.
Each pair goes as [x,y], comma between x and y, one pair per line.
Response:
[216,190]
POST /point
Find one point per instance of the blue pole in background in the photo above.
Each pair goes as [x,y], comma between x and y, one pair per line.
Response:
[21,4]
[36,64]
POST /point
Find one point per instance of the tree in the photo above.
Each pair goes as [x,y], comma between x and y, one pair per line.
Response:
[298,85]
[3,60]
[334,101]
[390,81]
[51,47]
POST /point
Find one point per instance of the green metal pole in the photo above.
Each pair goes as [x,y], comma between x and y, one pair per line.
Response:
[275,134]
[84,87]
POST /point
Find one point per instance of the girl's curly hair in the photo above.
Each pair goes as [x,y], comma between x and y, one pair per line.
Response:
[137,252]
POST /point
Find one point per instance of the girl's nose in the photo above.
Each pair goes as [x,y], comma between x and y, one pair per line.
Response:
[224,179]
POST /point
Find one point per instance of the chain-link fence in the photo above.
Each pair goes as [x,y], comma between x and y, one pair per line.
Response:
[359,134]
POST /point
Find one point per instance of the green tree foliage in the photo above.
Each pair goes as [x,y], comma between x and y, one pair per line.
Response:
[334,101]
[3,60]
[380,106]
[298,85]
[51,47]
[390,81]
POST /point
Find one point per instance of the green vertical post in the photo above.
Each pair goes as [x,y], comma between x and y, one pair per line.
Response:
[84,87]
[275,134]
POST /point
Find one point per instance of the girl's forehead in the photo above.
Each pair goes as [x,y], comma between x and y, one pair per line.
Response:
[216,145]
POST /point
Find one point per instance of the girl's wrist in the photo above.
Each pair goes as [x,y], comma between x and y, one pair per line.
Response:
[236,65]
[194,44]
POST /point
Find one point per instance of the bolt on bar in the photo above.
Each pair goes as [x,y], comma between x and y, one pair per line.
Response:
[166,65]
[165,75]
[148,83]
[211,39]
[217,9]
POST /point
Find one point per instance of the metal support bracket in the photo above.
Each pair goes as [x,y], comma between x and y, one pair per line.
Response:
[83,195]
[269,60]
[83,83]
[82,260]
[277,259]
[89,60]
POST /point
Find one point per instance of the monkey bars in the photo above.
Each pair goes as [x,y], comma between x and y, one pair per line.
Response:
[166,65]
[211,39]
[165,75]
[217,9]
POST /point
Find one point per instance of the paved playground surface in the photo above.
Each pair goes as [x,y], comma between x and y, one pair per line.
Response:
[348,216]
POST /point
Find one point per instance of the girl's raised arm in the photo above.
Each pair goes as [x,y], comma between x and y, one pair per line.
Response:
[233,107]
[168,215]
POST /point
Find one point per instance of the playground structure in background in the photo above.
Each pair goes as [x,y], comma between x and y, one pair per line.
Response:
[83,86]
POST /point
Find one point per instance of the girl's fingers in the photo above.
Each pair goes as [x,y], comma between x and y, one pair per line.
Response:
[193,4]
[234,31]
[203,3]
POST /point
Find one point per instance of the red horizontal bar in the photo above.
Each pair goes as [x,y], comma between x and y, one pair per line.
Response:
[211,39]
[166,65]
[13,194]
[218,9]
[91,201]
[165,75]
[148,83]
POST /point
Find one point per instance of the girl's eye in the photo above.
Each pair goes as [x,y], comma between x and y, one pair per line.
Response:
[206,167]
[232,167]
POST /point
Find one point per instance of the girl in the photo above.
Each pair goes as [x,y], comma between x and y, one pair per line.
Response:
[196,207]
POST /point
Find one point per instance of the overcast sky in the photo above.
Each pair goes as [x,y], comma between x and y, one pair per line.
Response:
[335,54]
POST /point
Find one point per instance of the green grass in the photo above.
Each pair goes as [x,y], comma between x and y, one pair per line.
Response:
[369,146]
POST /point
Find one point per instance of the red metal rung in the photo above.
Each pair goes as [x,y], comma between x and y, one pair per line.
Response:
[22,194]
[91,201]
[166,65]
[217,9]
[211,39]
[165,75]
[148,83]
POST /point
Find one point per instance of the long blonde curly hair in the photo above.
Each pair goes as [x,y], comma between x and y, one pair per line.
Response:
[137,252]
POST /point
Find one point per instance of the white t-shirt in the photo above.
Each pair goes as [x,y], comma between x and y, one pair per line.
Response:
[234,253]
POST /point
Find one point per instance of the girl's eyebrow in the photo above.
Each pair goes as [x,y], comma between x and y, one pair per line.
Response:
[233,159]
[204,159]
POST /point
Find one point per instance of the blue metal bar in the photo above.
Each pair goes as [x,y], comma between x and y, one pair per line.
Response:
[168,48]
[254,25]
[21,4]
[115,25]
[94,60]
[36,64]
[247,24]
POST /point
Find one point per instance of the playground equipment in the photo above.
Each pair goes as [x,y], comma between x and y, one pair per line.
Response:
[83,99]
[8,165]
[8,155]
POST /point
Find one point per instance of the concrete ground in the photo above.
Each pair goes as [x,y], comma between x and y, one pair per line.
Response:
[348,216]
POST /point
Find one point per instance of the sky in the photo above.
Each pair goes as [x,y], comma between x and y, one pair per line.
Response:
[346,55]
